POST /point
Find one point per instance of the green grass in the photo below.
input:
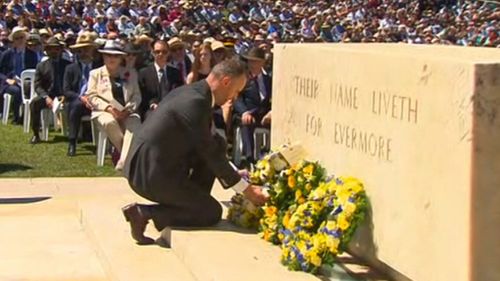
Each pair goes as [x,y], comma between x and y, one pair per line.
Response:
[19,158]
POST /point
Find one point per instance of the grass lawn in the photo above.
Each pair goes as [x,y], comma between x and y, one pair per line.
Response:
[19,158]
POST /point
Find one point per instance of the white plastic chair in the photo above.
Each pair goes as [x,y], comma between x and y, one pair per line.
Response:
[237,146]
[261,139]
[102,140]
[27,75]
[6,107]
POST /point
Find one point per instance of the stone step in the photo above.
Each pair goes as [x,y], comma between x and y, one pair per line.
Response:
[121,257]
[42,239]
[226,253]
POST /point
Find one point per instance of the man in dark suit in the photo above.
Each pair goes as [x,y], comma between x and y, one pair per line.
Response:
[253,106]
[12,62]
[48,83]
[158,79]
[179,58]
[75,82]
[176,156]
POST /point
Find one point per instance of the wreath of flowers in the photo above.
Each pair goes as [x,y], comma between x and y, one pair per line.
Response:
[311,216]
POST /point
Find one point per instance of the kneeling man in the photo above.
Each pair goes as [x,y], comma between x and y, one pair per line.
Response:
[176,155]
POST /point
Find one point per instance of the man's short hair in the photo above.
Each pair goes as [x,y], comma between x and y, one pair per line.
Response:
[233,67]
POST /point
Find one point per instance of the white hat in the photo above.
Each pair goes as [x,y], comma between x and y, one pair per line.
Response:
[16,30]
[112,47]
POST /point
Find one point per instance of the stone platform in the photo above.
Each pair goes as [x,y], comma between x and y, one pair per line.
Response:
[73,229]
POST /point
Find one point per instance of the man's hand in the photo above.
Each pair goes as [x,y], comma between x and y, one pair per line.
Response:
[255,195]
[247,118]
[244,173]
[49,102]
[153,106]
[86,102]
[11,81]
[266,120]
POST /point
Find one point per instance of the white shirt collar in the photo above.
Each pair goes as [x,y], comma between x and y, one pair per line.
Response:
[157,67]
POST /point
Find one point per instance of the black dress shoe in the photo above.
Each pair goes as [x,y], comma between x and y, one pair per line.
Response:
[71,150]
[138,223]
[35,140]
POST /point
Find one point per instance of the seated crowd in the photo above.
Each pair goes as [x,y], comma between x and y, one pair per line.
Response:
[121,82]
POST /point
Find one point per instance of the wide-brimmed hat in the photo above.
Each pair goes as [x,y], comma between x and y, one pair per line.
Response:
[217,45]
[255,54]
[34,39]
[132,49]
[54,42]
[143,38]
[176,42]
[17,30]
[112,47]
[86,39]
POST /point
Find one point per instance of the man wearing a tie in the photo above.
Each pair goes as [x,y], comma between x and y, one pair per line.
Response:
[75,82]
[158,79]
[48,83]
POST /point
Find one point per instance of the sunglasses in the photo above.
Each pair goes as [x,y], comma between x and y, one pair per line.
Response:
[160,52]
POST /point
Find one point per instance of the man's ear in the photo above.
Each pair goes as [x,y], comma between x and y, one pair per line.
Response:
[226,80]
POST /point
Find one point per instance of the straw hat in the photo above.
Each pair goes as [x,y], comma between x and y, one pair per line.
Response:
[84,40]
[112,47]
[216,45]
[18,30]
[175,42]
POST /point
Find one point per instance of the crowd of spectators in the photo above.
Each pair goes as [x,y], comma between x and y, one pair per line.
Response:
[166,44]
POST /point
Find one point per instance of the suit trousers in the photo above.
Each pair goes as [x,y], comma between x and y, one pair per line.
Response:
[119,133]
[76,110]
[188,204]
[37,104]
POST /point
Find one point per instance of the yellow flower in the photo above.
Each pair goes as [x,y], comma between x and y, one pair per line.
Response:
[342,222]
[301,200]
[288,172]
[308,170]
[331,225]
[291,181]
[315,259]
[308,187]
[286,220]
[281,236]
[333,245]
[349,208]
[271,210]
[298,194]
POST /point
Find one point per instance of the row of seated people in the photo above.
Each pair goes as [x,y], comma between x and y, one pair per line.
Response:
[107,85]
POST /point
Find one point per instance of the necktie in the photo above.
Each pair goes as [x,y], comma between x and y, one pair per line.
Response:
[85,80]
[181,70]
[163,83]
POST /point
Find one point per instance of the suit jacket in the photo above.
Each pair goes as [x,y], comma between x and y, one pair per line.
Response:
[178,131]
[44,78]
[7,65]
[99,90]
[72,80]
[187,63]
[150,85]
[250,99]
